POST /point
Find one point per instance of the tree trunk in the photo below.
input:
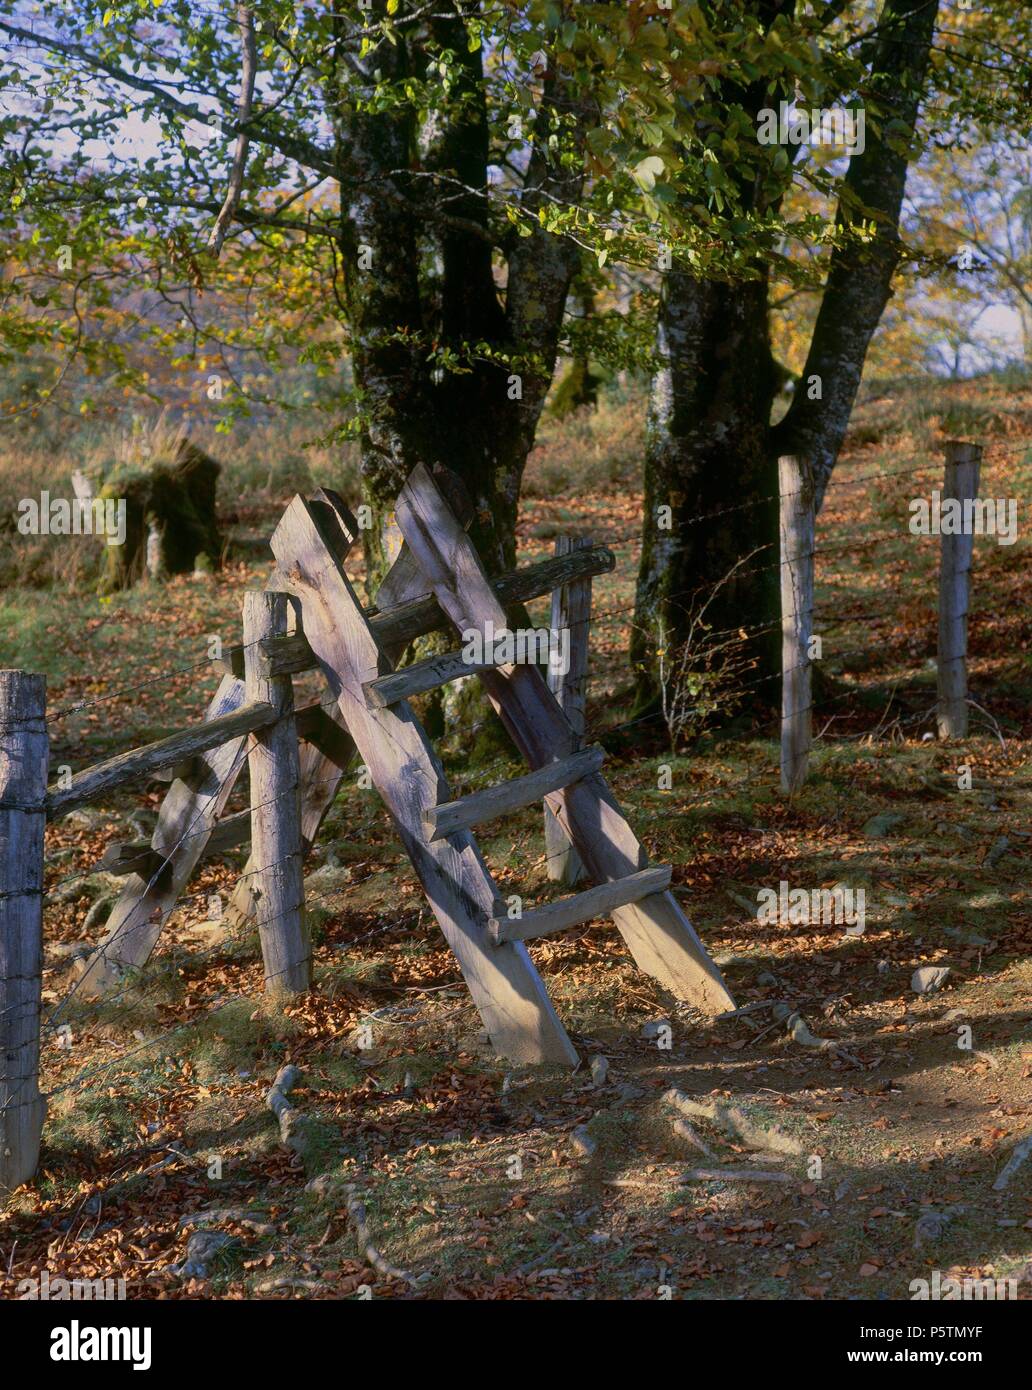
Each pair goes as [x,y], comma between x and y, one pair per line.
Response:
[707,451]
[710,445]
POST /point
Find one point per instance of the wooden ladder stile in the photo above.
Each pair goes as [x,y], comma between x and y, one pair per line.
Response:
[506,989]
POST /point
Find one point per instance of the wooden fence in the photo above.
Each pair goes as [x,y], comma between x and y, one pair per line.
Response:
[798,550]
[296,759]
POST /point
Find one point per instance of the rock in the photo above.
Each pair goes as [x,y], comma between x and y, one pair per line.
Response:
[928,978]
[965,937]
[654,1028]
[629,1092]
[883,967]
[750,906]
[879,826]
[930,1226]
[201,1249]
[583,1144]
[64,949]
[209,933]
[324,1186]
[599,1071]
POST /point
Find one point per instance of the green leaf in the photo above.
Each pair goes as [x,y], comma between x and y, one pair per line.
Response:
[647,171]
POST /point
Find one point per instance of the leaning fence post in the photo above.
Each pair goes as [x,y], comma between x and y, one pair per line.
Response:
[963,462]
[571,612]
[23,784]
[276,849]
[797,545]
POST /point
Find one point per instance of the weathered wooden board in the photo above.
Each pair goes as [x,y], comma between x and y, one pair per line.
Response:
[23,780]
[505,987]
[582,907]
[571,612]
[963,463]
[420,677]
[396,626]
[165,752]
[276,846]
[137,857]
[797,551]
[328,750]
[513,795]
[185,821]
[658,934]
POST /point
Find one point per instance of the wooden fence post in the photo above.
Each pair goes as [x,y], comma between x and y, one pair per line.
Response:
[571,610]
[797,546]
[963,462]
[276,844]
[24,754]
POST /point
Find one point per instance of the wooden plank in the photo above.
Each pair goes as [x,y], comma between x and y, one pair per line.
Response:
[505,987]
[420,677]
[274,766]
[327,749]
[509,796]
[797,545]
[963,462]
[138,857]
[658,934]
[23,784]
[187,818]
[316,725]
[165,752]
[582,907]
[571,612]
[416,616]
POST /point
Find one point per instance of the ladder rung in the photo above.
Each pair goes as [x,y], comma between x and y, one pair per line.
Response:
[420,677]
[499,800]
[582,907]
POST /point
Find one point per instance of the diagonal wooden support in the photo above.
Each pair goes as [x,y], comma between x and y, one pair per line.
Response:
[659,935]
[186,819]
[506,989]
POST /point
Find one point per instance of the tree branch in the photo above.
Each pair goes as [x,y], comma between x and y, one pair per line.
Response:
[248,70]
[304,152]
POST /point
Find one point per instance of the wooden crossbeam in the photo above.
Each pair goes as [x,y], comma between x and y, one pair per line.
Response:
[401,623]
[505,987]
[512,795]
[659,935]
[581,907]
[165,752]
[139,858]
[420,677]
